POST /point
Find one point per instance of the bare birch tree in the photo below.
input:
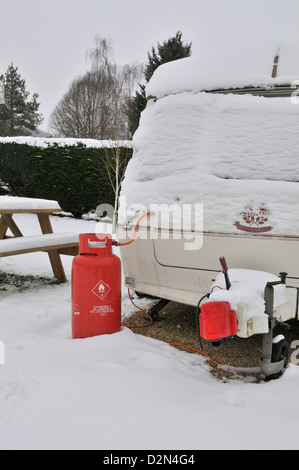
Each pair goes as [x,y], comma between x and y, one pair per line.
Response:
[125,79]
[85,110]
[122,83]
[96,106]
[96,103]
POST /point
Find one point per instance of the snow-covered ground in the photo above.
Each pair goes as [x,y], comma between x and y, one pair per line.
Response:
[122,391]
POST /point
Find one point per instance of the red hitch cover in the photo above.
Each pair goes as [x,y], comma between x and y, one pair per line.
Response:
[217,320]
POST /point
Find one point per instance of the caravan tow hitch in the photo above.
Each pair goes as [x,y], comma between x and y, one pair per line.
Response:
[275,355]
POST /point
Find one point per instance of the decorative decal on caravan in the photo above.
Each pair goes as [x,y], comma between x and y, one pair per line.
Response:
[255,220]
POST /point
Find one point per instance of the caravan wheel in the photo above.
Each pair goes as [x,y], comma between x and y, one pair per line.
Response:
[280,351]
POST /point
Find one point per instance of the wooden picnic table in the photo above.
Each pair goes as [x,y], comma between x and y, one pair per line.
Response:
[54,244]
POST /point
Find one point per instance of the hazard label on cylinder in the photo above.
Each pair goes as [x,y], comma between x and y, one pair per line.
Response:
[101,290]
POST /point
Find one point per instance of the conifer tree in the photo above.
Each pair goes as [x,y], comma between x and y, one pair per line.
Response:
[19,115]
[172,49]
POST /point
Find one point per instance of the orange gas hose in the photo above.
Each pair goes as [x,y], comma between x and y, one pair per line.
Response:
[136,228]
[171,344]
[142,310]
[128,243]
[196,350]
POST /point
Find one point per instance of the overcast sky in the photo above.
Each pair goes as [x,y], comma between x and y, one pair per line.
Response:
[48,39]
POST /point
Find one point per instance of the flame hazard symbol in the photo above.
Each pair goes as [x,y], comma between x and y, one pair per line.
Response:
[101,289]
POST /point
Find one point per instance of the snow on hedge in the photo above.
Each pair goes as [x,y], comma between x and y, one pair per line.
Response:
[63,142]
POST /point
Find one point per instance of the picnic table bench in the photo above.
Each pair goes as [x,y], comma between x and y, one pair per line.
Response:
[55,244]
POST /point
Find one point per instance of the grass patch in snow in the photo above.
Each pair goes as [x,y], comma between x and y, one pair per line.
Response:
[18,282]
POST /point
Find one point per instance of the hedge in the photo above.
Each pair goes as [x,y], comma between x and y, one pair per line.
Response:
[70,171]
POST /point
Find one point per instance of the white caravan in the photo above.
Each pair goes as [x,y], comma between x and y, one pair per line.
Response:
[216,166]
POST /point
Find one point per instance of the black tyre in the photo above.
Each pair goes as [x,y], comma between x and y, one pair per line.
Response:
[280,351]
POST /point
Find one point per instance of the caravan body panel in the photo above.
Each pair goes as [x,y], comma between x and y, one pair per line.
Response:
[236,156]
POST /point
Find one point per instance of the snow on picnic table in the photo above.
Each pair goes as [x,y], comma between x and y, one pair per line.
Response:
[37,241]
[120,391]
[26,203]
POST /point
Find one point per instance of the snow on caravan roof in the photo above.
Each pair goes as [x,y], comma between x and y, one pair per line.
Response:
[260,65]
[228,152]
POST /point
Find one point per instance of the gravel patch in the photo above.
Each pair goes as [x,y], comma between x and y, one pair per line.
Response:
[176,323]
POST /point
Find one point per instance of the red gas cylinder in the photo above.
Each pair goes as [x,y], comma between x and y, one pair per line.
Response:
[217,321]
[96,287]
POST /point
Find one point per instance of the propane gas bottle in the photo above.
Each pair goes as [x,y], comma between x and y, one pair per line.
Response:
[96,287]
